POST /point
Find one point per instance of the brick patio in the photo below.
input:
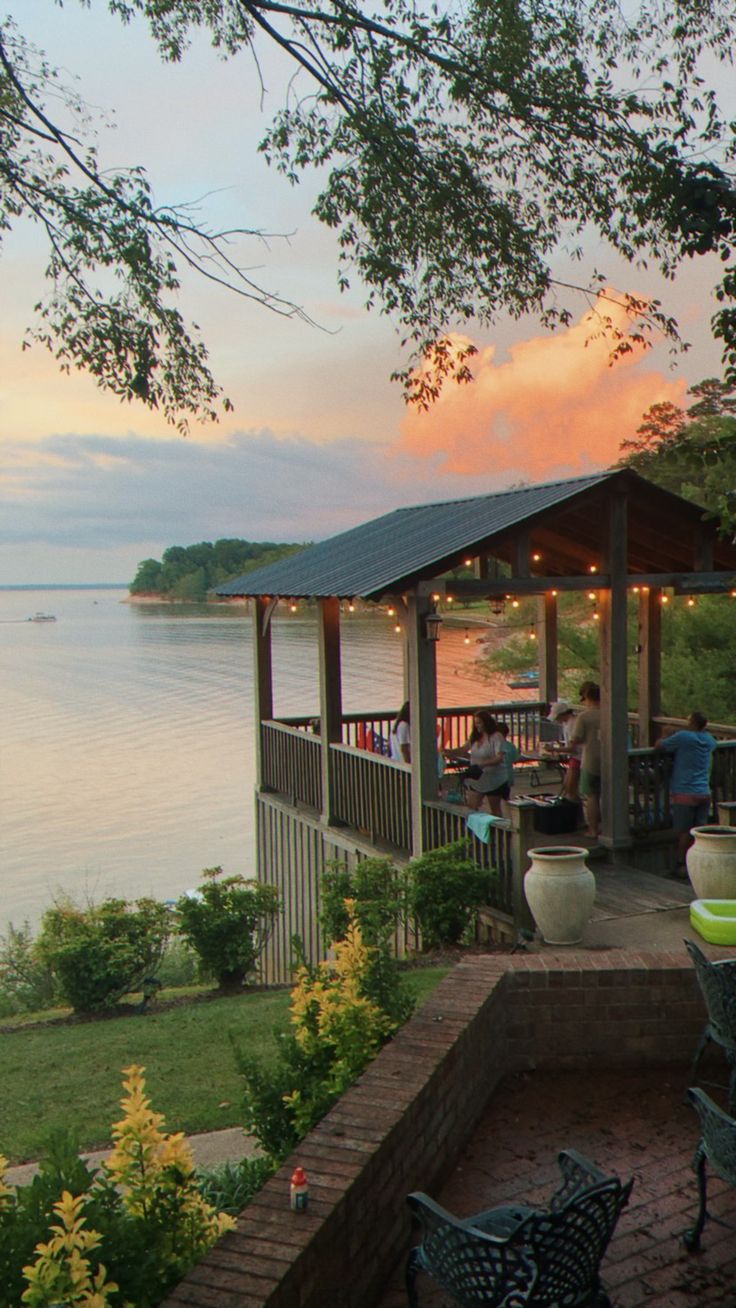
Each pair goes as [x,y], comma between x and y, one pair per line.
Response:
[510,1059]
[630,1122]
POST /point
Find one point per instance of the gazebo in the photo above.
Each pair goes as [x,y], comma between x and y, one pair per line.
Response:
[319,794]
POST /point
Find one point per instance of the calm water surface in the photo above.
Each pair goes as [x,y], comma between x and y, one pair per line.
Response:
[126,756]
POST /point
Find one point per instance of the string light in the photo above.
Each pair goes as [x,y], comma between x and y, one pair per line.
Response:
[592,595]
[466,640]
[596,616]
[593,568]
[532,634]
[293,607]
[468,563]
[392,613]
[536,558]
[664,599]
[635,590]
[514,604]
[449,599]
[351,607]
[397,628]
[436,598]
[554,594]
[691,603]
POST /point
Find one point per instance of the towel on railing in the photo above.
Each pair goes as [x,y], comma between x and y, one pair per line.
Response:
[480,824]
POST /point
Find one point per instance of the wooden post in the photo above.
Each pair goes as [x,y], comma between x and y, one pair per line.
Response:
[524,838]
[614,688]
[547,643]
[330,694]
[262,674]
[422,663]
[650,664]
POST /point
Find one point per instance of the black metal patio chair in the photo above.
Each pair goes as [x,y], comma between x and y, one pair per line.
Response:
[717,981]
[717,1147]
[522,1255]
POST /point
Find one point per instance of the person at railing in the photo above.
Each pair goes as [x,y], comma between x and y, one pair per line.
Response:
[690,797]
[486,779]
[400,736]
[587,733]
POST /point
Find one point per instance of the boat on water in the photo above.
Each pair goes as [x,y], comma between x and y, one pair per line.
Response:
[524,680]
[43,617]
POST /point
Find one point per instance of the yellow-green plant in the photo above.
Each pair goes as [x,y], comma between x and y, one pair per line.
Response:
[62,1274]
[124,1237]
[336,1025]
[154,1173]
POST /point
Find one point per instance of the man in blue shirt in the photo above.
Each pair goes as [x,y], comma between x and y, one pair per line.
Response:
[692,751]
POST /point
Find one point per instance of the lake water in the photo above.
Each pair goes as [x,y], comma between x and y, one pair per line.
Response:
[126,756]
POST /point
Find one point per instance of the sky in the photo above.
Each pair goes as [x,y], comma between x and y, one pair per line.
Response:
[320,438]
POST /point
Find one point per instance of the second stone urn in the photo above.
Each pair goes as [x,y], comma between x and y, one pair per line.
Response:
[560,891]
[711,862]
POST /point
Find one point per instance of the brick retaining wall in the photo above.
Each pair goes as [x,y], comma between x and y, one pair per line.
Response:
[404,1122]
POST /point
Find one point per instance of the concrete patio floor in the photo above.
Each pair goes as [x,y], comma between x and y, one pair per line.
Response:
[633,1123]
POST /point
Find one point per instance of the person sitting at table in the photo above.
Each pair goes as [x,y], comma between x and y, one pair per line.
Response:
[484,748]
[510,752]
[400,736]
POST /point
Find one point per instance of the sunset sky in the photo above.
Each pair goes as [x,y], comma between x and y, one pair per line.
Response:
[320,438]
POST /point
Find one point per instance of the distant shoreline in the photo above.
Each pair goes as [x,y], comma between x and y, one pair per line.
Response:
[152,598]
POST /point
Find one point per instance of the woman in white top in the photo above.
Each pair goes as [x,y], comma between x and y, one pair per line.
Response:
[400,736]
[485,749]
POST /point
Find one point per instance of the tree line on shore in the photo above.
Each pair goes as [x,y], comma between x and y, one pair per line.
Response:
[188,572]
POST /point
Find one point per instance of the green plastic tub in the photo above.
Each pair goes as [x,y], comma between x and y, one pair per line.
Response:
[714,920]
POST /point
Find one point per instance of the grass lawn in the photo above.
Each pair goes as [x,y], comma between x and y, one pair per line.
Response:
[70,1076]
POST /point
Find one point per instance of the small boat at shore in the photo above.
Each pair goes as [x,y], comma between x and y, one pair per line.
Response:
[43,617]
[524,680]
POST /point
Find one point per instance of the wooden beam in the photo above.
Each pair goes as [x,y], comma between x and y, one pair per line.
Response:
[547,645]
[422,663]
[330,694]
[650,663]
[262,673]
[684,583]
[614,689]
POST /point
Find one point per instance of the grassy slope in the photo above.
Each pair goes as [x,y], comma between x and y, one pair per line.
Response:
[69,1076]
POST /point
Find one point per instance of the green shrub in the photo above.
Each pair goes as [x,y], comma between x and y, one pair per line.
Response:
[179,965]
[445,890]
[231,1186]
[227,924]
[100,953]
[26,983]
[378,891]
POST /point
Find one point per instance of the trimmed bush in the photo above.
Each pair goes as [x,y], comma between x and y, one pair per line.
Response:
[446,888]
[102,952]
[227,924]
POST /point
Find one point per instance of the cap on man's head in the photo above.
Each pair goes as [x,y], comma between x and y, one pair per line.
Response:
[559,709]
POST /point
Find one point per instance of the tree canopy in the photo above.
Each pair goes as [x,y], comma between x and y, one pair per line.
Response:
[468,148]
[188,572]
[692,451]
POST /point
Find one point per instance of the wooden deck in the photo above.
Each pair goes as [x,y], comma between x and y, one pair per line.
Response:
[627,892]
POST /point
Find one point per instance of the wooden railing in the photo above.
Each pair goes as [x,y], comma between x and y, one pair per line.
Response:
[372,795]
[291,763]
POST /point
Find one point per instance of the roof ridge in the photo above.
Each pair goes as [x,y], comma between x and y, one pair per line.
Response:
[509,490]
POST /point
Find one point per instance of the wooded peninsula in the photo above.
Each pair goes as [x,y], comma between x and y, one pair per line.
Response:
[189,572]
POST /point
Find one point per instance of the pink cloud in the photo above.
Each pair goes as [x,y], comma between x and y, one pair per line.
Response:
[556,407]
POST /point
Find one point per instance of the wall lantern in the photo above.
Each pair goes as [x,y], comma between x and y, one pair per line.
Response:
[432,624]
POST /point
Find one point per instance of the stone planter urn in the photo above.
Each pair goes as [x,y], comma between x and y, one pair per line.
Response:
[711,862]
[560,890]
